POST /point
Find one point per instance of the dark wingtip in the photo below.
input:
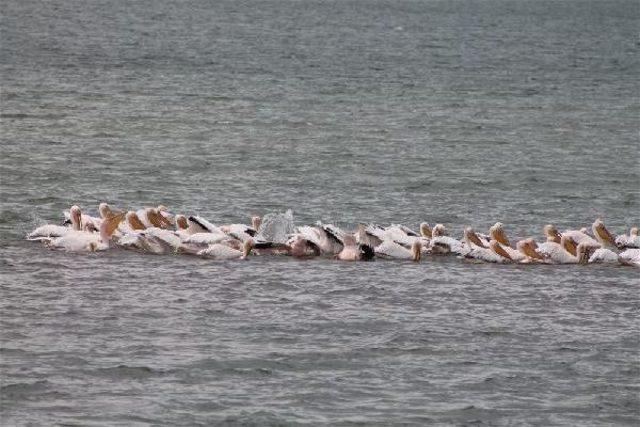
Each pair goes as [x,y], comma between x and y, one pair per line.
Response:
[331,234]
[194,219]
[367,252]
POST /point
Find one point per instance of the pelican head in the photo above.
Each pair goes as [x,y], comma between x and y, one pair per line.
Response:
[416,251]
[104,210]
[497,233]
[256,222]
[181,222]
[425,230]
[602,235]
[633,232]
[134,221]
[76,217]
[438,230]
[552,233]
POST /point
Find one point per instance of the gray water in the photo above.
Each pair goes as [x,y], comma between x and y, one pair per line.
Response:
[461,112]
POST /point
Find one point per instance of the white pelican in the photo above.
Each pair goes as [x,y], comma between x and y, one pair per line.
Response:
[632,240]
[151,217]
[296,246]
[325,236]
[53,230]
[630,257]
[223,252]
[443,244]
[84,241]
[602,235]
[579,236]
[391,249]
[474,249]
[243,232]
[497,233]
[565,252]
[528,247]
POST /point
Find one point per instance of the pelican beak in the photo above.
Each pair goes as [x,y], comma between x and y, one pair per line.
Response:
[495,247]
[605,235]
[426,231]
[134,221]
[256,222]
[246,249]
[182,223]
[501,237]
[112,223]
[473,238]
[157,219]
[417,251]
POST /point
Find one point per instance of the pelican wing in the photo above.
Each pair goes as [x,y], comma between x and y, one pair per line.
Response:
[206,238]
[48,230]
[630,257]
[221,252]
[391,249]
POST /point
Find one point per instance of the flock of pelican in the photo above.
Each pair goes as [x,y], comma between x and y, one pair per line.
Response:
[155,230]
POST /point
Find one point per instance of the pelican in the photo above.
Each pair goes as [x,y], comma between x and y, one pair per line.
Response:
[151,217]
[630,257]
[565,252]
[325,236]
[352,251]
[602,235]
[391,249]
[296,246]
[84,241]
[223,252]
[443,244]
[497,233]
[528,247]
[474,249]
[632,240]
[243,232]
[579,236]
[52,230]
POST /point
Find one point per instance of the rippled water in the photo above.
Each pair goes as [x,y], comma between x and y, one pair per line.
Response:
[462,112]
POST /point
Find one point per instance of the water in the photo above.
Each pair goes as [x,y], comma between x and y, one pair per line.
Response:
[462,112]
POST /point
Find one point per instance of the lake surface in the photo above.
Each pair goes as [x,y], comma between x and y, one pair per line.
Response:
[460,112]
